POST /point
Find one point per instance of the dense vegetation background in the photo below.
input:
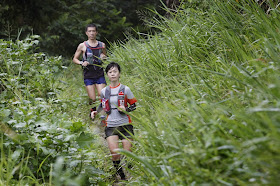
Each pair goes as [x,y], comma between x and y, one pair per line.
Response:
[61,24]
[207,83]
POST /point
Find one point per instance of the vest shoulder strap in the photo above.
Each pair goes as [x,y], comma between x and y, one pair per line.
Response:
[107,93]
[100,44]
[122,88]
[98,47]
[87,45]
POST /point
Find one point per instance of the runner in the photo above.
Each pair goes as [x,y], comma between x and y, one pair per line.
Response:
[93,52]
[114,100]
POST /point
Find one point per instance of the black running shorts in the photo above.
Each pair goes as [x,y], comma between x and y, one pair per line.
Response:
[124,131]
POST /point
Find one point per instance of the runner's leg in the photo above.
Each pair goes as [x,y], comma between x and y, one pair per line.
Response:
[99,87]
[127,144]
[113,143]
[91,92]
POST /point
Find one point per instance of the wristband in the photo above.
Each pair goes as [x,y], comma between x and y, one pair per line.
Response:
[81,62]
[131,108]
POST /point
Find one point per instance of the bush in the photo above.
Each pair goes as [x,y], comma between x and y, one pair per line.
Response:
[41,142]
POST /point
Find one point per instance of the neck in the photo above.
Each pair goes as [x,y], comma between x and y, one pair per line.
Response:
[92,41]
[114,84]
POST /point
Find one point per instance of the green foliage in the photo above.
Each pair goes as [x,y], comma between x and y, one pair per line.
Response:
[208,90]
[41,142]
[26,73]
[61,24]
[68,30]
[208,104]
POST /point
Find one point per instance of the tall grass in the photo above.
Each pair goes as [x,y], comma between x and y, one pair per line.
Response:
[208,90]
[208,104]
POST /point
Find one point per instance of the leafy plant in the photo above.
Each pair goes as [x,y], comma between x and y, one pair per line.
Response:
[36,126]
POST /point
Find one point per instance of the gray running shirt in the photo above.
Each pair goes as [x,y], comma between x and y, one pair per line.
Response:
[116,119]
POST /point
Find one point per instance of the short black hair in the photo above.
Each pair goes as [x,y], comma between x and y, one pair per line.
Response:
[91,25]
[111,65]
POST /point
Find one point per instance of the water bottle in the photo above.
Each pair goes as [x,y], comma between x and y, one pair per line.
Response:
[105,105]
[89,57]
[121,99]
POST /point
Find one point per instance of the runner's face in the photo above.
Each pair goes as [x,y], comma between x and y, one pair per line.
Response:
[114,74]
[91,32]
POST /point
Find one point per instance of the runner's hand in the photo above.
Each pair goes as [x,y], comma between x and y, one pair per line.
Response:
[121,108]
[85,63]
[93,114]
[103,56]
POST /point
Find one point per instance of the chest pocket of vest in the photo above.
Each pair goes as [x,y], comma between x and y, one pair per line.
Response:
[93,59]
[106,100]
[89,56]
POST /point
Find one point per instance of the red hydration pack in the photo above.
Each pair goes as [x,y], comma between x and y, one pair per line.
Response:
[106,100]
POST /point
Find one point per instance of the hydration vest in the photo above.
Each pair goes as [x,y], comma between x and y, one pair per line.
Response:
[89,54]
[106,102]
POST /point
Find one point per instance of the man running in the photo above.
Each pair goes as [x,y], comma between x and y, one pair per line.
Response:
[93,52]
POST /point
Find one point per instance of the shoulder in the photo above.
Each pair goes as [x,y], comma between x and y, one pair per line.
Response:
[82,45]
[103,44]
[129,95]
[126,88]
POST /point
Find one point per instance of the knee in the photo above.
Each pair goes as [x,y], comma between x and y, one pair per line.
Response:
[115,156]
[93,99]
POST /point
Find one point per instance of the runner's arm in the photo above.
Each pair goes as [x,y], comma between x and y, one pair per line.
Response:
[78,54]
[103,54]
[99,108]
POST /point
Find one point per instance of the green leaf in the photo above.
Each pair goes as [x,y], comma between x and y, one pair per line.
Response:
[85,140]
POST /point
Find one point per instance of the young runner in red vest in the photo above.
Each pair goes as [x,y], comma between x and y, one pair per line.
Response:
[117,101]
